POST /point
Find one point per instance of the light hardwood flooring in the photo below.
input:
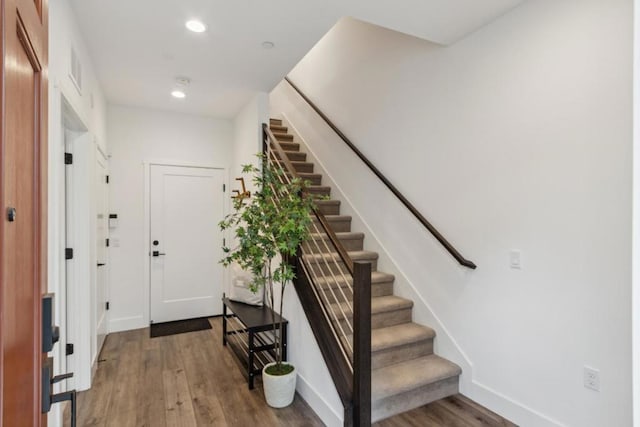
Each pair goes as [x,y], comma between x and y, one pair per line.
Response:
[191,380]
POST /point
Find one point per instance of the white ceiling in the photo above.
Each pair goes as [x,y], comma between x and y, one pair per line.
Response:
[140,46]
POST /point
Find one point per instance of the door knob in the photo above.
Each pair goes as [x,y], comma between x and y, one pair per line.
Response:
[157,253]
[101,264]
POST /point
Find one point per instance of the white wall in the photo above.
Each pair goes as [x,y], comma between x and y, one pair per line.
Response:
[135,136]
[517,137]
[88,108]
[636,217]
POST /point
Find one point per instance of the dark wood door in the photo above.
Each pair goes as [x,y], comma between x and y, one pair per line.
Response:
[23,191]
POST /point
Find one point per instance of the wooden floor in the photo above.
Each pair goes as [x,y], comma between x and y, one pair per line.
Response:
[455,411]
[191,380]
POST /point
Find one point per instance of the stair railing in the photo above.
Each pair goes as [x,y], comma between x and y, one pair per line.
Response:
[444,242]
[335,293]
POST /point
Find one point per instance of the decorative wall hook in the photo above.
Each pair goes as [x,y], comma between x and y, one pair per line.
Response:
[244,194]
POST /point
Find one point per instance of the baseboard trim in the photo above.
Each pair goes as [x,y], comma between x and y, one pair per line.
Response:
[126,324]
[317,403]
[509,408]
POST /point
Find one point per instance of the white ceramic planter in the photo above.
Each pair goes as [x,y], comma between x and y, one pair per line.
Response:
[279,390]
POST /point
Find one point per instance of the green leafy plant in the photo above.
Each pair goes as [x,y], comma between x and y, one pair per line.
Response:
[269,227]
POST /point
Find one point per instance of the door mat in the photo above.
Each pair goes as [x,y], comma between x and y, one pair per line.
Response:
[179,327]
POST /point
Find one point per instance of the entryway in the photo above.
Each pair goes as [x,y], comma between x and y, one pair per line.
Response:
[186,204]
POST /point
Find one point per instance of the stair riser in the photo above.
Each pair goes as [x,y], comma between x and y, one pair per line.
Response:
[412,399]
[313,179]
[381,320]
[288,146]
[319,191]
[294,156]
[303,167]
[275,122]
[279,129]
[377,290]
[283,137]
[328,209]
[390,318]
[337,225]
[401,353]
[336,267]
[325,245]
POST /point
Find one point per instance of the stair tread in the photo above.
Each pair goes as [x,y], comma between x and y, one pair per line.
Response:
[376,277]
[341,235]
[338,217]
[326,202]
[379,305]
[354,255]
[363,255]
[397,335]
[410,375]
[299,162]
[389,303]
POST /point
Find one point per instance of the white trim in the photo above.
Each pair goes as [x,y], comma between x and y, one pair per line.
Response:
[635,234]
[510,408]
[127,323]
[146,291]
[320,406]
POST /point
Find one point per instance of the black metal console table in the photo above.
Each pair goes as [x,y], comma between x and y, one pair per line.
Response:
[249,331]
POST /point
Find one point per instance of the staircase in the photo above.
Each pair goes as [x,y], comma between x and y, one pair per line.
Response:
[405,372]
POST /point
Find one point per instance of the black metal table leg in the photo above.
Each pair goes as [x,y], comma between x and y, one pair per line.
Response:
[224,324]
[250,367]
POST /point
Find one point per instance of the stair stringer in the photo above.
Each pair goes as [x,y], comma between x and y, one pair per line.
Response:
[445,344]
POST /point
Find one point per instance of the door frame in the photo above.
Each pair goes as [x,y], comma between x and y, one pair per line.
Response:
[147,222]
[100,155]
[63,120]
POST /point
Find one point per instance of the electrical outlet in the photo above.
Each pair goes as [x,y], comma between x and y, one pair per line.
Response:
[515,259]
[591,378]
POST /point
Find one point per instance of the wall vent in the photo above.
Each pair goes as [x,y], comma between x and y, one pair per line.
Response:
[76,70]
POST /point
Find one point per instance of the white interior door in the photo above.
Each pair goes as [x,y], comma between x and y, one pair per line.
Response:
[186,205]
[102,234]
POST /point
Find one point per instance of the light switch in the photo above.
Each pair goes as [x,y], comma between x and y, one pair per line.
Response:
[515,260]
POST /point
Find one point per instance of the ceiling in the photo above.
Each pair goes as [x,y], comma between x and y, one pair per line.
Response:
[139,46]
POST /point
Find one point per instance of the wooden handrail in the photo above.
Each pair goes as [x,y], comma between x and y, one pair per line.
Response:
[448,246]
[344,255]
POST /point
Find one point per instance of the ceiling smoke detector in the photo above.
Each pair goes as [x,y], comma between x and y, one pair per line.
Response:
[183,81]
[268,45]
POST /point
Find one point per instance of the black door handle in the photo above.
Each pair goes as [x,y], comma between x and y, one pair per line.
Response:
[101,264]
[157,253]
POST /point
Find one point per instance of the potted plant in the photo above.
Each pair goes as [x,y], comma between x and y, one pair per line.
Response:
[269,227]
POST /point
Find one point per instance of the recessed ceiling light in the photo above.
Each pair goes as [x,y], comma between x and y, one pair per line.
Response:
[178,94]
[268,45]
[196,26]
